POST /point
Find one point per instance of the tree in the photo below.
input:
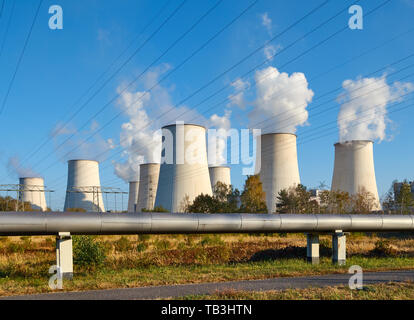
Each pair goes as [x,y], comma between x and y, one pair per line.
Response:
[296,200]
[363,201]
[224,200]
[253,198]
[404,199]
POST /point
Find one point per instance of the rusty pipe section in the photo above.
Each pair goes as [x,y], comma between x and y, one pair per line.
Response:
[51,223]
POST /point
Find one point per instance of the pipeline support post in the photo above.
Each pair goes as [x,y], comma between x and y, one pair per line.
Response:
[64,257]
[312,250]
[339,247]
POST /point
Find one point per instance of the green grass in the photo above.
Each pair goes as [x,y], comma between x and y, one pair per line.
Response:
[124,277]
[386,291]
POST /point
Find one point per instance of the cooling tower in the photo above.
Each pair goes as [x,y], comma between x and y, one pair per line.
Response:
[184,168]
[133,196]
[33,191]
[219,173]
[148,176]
[84,187]
[354,168]
[278,165]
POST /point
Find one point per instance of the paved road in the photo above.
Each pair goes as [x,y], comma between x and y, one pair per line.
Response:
[208,288]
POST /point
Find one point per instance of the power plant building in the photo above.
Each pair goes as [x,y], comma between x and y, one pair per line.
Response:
[354,169]
[184,170]
[133,196]
[219,174]
[84,186]
[278,165]
[149,175]
[33,190]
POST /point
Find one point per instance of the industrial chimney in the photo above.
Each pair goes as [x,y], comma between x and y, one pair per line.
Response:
[84,187]
[184,168]
[219,173]
[133,196]
[148,176]
[278,165]
[33,190]
[354,169]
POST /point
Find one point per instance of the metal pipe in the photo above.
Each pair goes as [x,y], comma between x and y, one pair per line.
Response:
[51,223]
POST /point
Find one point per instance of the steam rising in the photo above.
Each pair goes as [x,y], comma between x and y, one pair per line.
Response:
[281,101]
[363,113]
[14,167]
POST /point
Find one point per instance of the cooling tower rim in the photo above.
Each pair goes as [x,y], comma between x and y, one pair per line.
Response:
[279,133]
[352,142]
[184,124]
[212,167]
[134,181]
[31,178]
[150,163]
[89,160]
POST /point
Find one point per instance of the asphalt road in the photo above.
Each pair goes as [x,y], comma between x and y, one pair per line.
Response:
[208,288]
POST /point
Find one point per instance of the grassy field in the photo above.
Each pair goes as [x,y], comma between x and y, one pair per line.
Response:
[176,259]
[388,291]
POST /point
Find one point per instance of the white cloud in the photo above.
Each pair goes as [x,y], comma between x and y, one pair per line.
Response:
[363,113]
[281,101]
[270,51]
[147,112]
[237,98]
[267,22]
[217,145]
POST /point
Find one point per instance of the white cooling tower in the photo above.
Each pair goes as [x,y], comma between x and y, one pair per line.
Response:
[278,165]
[354,169]
[133,196]
[148,176]
[219,173]
[84,186]
[184,168]
[33,191]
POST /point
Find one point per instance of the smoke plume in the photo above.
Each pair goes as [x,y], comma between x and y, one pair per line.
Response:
[363,113]
[15,168]
[281,101]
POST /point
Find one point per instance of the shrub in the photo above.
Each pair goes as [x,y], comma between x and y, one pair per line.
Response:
[383,248]
[141,247]
[122,244]
[211,240]
[14,247]
[143,237]
[162,244]
[49,242]
[87,252]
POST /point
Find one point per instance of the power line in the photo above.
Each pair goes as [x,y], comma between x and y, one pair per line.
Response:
[7,28]
[139,35]
[215,79]
[171,72]
[20,58]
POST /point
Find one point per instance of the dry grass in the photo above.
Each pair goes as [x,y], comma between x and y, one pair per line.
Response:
[173,259]
[388,291]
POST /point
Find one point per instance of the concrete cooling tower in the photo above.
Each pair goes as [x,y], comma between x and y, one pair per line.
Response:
[184,168]
[148,176]
[33,190]
[354,169]
[84,187]
[133,196]
[219,173]
[278,165]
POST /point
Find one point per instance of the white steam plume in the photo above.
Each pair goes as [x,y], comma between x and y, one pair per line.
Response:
[363,113]
[281,101]
[147,112]
[16,169]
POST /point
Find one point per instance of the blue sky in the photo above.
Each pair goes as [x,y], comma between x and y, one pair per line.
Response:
[60,65]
